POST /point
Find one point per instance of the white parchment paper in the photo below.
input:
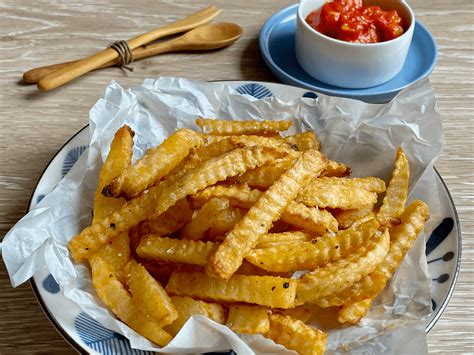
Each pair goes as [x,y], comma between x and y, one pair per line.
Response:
[361,135]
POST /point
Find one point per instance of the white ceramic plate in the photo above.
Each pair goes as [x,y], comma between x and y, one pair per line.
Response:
[443,246]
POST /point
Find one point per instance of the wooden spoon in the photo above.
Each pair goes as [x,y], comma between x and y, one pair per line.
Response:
[207,37]
[74,70]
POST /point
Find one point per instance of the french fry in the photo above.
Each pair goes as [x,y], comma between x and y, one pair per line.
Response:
[258,220]
[368,287]
[335,169]
[169,222]
[262,290]
[395,198]
[116,253]
[188,307]
[240,195]
[295,335]
[158,199]
[154,247]
[155,164]
[149,295]
[272,239]
[118,159]
[302,313]
[354,312]
[248,319]
[343,273]
[265,176]
[120,302]
[304,141]
[202,222]
[371,184]
[344,197]
[404,235]
[224,222]
[346,218]
[310,255]
[224,127]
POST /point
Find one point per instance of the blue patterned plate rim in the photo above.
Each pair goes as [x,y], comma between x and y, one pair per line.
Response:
[439,310]
[381,93]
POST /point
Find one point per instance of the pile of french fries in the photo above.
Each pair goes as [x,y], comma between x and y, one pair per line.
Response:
[216,223]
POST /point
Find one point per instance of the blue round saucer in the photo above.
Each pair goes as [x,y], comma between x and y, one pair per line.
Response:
[277,45]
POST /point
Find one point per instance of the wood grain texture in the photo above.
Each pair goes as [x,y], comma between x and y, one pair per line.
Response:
[34,125]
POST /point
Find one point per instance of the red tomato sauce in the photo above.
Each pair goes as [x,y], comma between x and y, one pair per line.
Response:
[350,21]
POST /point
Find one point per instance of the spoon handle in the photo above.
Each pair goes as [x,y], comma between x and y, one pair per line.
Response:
[78,68]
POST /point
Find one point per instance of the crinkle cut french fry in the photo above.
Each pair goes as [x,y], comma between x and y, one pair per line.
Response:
[354,312]
[225,127]
[158,200]
[395,198]
[370,183]
[309,255]
[272,239]
[154,247]
[368,287]
[170,221]
[404,235]
[300,312]
[304,141]
[343,273]
[336,169]
[116,297]
[346,218]
[118,159]
[201,223]
[188,307]
[295,335]
[262,290]
[402,238]
[265,176]
[224,222]
[344,197]
[258,220]
[299,215]
[248,319]
[149,295]
[155,164]
[116,253]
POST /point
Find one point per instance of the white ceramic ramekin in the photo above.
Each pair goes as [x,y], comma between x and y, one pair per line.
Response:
[352,65]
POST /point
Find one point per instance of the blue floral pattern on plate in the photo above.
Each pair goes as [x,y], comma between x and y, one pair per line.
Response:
[71,157]
[256,90]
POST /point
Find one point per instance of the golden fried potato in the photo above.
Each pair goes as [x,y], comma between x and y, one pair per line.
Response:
[161,197]
[227,128]
[202,221]
[262,290]
[120,302]
[155,164]
[310,255]
[371,184]
[342,196]
[118,159]
[343,273]
[368,287]
[297,214]
[149,295]
[153,247]
[346,218]
[354,312]
[295,335]
[303,141]
[394,201]
[169,222]
[224,221]
[274,239]
[116,253]
[258,220]
[264,176]
[302,313]
[188,307]
[336,169]
[248,319]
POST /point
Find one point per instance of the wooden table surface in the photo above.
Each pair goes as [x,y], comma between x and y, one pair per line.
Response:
[34,125]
